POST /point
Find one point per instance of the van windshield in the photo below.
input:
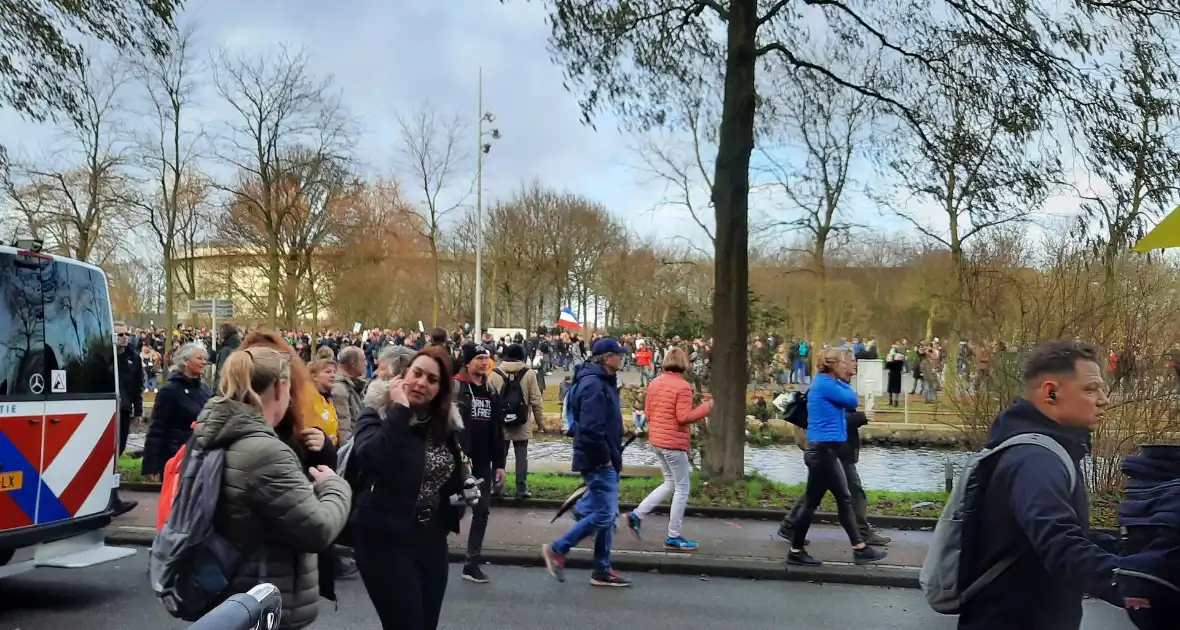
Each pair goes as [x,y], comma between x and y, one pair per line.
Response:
[56,332]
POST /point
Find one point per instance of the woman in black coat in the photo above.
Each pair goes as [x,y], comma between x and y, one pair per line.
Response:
[177,405]
[894,364]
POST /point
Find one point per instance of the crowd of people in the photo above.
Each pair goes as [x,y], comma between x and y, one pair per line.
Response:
[427,420]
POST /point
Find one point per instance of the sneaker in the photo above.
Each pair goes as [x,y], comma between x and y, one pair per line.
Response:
[523,494]
[636,524]
[802,559]
[472,573]
[609,577]
[877,540]
[786,533]
[679,544]
[554,562]
[867,555]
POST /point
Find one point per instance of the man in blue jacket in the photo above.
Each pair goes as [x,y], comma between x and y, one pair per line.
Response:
[598,455]
[1026,511]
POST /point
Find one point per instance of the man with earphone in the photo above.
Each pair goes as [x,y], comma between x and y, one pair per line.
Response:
[1028,511]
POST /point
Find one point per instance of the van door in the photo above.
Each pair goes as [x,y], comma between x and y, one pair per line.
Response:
[22,388]
[81,407]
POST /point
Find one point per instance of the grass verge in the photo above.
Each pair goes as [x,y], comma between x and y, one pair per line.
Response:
[753,492]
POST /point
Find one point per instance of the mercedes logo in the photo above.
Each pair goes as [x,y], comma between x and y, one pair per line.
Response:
[37,383]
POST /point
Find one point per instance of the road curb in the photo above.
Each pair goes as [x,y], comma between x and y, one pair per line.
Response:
[754,514]
[651,562]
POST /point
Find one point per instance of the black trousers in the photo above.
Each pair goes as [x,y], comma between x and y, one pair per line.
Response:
[480,512]
[405,576]
[825,473]
[124,429]
[860,503]
[520,450]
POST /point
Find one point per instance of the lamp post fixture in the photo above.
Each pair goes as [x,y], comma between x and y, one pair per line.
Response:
[484,138]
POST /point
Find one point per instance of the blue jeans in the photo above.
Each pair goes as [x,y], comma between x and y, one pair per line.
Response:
[600,508]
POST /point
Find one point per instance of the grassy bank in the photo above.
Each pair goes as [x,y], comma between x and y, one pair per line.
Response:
[753,492]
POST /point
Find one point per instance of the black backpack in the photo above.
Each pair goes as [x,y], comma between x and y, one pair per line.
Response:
[192,566]
[516,405]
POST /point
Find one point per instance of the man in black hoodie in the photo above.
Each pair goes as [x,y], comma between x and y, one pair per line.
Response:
[1022,507]
[482,440]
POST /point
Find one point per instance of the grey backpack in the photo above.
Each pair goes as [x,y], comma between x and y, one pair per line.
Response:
[191,565]
[940,571]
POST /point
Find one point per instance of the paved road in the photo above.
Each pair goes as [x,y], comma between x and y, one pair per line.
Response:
[115,597]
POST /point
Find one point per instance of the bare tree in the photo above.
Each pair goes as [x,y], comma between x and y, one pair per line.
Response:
[317,193]
[172,204]
[82,191]
[829,128]
[277,106]
[683,167]
[431,154]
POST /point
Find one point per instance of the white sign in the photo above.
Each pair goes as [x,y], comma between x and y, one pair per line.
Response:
[57,381]
[421,328]
[356,328]
[870,377]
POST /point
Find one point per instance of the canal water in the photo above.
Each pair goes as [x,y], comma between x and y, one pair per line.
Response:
[880,467]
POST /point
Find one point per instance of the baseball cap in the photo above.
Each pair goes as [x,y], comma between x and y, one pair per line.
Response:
[607,345]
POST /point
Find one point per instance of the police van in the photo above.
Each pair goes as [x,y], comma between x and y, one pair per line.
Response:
[58,412]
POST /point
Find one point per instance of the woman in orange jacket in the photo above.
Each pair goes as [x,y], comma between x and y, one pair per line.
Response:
[670,414]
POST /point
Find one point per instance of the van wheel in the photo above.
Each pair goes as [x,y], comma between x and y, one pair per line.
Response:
[6,555]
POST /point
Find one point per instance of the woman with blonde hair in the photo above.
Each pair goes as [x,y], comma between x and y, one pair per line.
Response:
[829,397]
[268,507]
[670,415]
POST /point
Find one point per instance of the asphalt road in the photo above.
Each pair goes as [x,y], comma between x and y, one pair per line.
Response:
[116,597]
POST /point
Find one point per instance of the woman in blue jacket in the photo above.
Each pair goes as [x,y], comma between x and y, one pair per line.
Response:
[827,432]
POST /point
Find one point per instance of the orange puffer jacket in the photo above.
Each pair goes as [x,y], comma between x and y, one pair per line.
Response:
[669,411]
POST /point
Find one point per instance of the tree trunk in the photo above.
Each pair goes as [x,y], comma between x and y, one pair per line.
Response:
[725,456]
[169,302]
[819,320]
[437,276]
[273,265]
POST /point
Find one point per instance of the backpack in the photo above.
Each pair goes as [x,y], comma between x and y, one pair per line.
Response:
[567,411]
[939,576]
[516,407]
[191,566]
[169,483]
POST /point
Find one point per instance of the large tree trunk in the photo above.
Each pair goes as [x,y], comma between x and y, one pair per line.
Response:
[725,456]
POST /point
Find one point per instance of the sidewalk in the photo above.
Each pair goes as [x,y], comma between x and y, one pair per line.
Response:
[729,548]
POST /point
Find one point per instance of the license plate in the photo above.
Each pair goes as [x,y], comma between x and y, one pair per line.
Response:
[10,481]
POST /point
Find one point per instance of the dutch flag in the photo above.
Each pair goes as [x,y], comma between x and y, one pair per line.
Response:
[567,319]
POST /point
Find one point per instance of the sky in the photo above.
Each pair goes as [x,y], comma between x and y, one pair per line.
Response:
[388,58]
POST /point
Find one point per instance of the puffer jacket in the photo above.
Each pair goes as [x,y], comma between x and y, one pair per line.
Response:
[532,392]
[268,507]
[669,411]
[347,399]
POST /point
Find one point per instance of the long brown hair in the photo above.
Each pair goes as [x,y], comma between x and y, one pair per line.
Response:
[301,382]
[440,407]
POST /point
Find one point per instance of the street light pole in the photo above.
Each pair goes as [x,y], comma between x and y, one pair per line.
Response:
[483,148]
[477,333]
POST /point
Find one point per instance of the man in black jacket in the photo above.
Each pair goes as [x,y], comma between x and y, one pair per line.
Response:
[483,442]
[1024,508]
[129,371]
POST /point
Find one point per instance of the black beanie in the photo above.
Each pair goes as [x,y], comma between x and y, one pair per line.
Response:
[514,352]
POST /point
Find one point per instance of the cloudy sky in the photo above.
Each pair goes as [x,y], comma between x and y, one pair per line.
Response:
[391,57]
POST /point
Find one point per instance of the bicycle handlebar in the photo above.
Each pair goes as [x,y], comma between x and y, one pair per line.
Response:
[260,608]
